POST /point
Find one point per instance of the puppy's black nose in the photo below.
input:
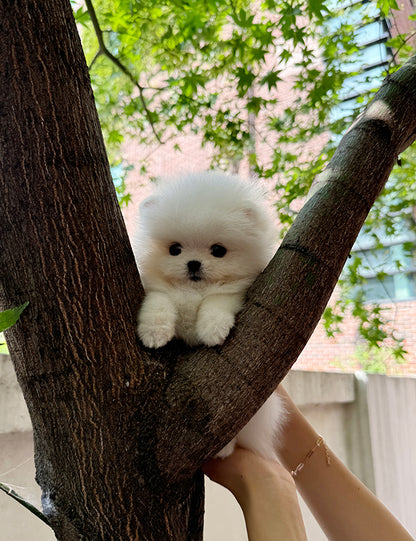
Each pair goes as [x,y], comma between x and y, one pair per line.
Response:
[194,266]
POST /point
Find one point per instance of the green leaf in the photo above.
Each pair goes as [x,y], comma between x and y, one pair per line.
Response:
[3,346]
[9,317]
[245,80]
[386,5]
[271,79]
[81,16]
[317,8]
[396,42]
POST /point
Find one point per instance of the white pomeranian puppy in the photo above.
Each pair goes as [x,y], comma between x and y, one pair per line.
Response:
[202,241]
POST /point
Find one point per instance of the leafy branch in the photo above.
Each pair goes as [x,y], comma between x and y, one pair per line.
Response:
[103,50]
[399,43]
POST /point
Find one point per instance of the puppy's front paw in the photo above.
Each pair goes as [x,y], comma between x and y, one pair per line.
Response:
[213,327]
[155,335]
[156,320]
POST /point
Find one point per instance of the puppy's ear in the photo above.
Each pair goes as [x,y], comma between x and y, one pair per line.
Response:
[250,212]
[253,215]
[148,205]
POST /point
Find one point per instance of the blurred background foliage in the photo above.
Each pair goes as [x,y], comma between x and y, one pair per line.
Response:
[269,74]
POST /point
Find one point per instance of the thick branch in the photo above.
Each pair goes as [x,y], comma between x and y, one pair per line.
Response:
[285,304]
[65,249]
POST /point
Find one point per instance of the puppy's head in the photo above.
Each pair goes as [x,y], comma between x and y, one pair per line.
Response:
[203,229]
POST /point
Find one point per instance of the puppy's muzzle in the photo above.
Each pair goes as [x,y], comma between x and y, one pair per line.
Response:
[194,270]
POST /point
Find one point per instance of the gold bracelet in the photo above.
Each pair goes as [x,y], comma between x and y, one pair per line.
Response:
[318,443]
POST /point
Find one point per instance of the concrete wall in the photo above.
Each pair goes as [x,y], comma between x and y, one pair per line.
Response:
[369,424]
[17,468]
[392,410]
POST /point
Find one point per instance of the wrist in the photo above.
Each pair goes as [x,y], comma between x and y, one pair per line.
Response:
[271,508]
[257,479]
[297,438]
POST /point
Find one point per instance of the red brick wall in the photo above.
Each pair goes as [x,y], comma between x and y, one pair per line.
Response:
[399,19]
[331,354]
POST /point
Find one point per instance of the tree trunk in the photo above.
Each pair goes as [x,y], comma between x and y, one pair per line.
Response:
[92,395]
[121,431]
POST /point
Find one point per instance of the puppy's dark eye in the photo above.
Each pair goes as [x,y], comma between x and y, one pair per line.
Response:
[218,251]
[175,248]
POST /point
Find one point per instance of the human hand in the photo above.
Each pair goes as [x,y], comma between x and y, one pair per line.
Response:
[244,469]
[266,493]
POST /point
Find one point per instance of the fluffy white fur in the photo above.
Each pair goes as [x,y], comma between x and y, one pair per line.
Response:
[202,241]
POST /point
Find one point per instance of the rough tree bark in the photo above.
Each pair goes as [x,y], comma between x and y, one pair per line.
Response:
[120,431]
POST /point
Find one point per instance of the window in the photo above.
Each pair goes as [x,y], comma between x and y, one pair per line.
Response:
[389,270]
[386,262]
[368,65]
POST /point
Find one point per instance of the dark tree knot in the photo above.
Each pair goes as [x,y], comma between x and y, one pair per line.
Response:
[302,250]
[380,127]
